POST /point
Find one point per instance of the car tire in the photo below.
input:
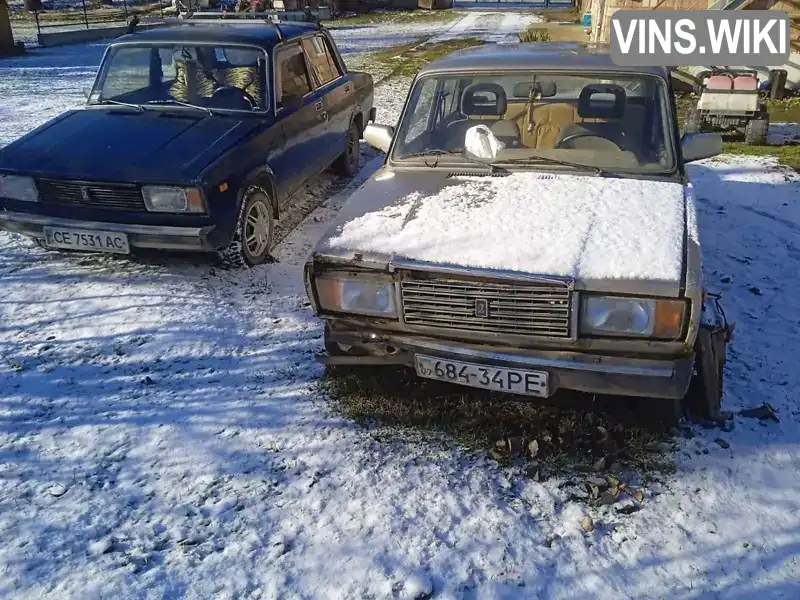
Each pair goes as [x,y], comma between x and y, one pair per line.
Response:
[703,399]
[694,122]
[347,163]
[40,243]
[755,134]
[254,234]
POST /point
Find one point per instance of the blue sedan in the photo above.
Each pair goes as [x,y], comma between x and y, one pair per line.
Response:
[194,137]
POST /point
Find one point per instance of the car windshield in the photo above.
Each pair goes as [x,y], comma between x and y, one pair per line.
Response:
[607,121]
[203,77]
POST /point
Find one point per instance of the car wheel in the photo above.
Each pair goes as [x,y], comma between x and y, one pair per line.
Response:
[347,163]
[252,239]
[703,399]
[40,243]
[755,134]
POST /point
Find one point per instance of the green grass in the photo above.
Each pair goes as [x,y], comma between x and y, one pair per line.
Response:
[397,16]
[572,430]
[786,155]
[407,60]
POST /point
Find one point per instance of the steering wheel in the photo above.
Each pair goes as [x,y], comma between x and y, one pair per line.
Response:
[582,134]
[228,94]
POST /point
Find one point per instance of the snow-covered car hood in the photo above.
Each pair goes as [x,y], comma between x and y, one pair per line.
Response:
[607,233]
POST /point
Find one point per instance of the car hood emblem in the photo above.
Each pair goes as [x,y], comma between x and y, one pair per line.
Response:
[481,307]
[85,195]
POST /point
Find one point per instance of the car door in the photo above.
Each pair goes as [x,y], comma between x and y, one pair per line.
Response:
[334,89]
[303,125]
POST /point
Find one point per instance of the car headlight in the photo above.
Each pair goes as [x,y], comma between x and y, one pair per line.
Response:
[173,199]
[342,293]
[16,187]
[607,315]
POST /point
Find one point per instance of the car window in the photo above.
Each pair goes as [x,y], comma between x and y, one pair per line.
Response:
[206,76]
[321,59]
[130,72]
[615,121]
[293,77]
[420,116]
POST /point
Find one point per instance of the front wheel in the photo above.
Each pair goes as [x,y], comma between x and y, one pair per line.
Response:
[704,398]
[755,134]
[347,163]
[253,237]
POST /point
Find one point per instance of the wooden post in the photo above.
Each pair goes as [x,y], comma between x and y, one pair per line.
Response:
[6,35]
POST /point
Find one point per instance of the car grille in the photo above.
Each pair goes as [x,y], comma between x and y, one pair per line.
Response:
[90,195]
[528,309]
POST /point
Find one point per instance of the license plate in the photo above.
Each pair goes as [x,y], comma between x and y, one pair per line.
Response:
[86,239]
[515,381]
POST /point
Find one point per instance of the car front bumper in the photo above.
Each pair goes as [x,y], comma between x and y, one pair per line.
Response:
[139,236]
[580,371]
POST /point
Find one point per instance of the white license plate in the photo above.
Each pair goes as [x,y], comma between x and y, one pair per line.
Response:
[87,239]
[515,381]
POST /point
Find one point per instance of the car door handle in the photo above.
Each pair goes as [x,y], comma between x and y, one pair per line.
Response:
[318,106]
[323,115]
[347,88]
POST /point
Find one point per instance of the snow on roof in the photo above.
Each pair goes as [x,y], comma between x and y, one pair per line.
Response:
[586,227]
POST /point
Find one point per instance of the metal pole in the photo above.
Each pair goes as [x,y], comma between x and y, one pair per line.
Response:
[38,27]
[161,8]
[125,5]
[85,16]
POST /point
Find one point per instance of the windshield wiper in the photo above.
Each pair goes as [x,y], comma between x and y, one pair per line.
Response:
[118,103]
[438,153]
[553,161]
[182,103]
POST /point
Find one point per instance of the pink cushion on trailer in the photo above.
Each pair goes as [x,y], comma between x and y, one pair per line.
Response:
[745,82]
[719,82]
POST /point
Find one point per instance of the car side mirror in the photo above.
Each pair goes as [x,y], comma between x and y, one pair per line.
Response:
[697,146]
[291,102]
[379,136]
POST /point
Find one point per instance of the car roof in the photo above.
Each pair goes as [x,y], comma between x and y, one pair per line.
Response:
[260,33]
[561,56]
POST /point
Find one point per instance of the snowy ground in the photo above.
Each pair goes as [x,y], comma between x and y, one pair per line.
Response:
[489,26]
[162,436]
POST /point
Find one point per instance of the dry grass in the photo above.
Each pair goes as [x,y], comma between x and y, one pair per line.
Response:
[533,33]
[573,431]
[407,60]
[561,15]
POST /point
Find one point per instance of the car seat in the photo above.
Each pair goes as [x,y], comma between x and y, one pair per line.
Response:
[190,82]
[480,100]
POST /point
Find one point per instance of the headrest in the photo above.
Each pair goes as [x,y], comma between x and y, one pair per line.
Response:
[484,99]
[543,89]
[602,101]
